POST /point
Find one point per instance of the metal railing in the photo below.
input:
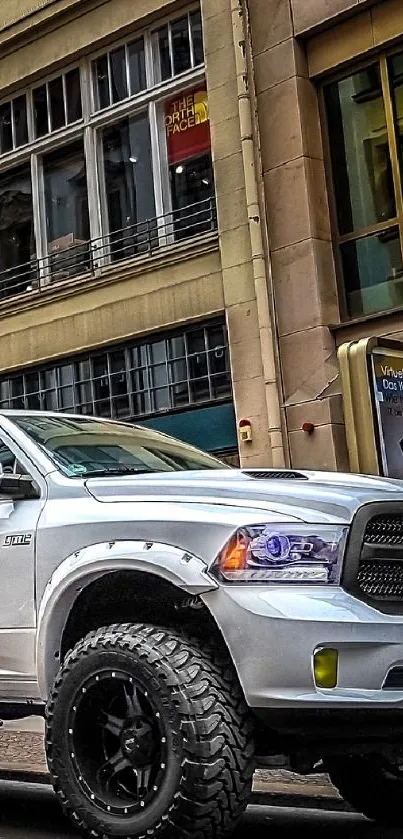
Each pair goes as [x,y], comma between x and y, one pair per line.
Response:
[137,240]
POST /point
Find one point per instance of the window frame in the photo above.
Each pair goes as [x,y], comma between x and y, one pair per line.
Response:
[89,130]
[148,390]
[397,173]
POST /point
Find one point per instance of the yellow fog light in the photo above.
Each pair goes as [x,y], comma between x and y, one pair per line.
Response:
[325,666]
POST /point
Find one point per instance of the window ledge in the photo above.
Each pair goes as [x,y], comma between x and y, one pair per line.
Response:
[109,274]
[380,323]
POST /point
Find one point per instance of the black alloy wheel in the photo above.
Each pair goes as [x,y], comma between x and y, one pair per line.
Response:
[148,735]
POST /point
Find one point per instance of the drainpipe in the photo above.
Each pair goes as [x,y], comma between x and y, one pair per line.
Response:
[240,34]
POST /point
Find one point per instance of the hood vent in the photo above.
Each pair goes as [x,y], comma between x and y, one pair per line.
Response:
[273,475]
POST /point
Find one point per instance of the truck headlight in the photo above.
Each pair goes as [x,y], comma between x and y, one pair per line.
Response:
[283,554]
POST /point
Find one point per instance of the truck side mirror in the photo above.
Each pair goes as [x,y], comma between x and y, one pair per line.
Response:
[18,487]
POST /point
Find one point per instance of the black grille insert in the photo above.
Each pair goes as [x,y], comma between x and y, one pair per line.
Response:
[394,679]
[384,530]
[381,579]
[273,475]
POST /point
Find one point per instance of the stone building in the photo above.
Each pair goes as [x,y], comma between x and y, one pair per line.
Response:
[198,203]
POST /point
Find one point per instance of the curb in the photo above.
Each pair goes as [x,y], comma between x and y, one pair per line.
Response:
[265,799]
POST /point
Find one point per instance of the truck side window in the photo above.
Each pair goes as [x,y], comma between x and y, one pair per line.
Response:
[9,461]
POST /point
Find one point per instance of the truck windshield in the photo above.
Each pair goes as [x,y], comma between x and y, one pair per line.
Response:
[86,447]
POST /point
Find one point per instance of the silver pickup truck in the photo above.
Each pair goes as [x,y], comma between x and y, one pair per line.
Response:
[179,623]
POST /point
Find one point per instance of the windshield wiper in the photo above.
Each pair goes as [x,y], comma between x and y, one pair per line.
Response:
[114,471]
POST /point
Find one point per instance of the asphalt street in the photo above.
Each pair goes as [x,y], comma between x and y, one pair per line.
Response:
[31,812]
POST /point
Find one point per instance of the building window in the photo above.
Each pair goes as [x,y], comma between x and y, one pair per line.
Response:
[365,131]
[174,371]
[116,157]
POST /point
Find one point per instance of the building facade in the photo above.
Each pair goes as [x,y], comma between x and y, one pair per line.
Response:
[198,203]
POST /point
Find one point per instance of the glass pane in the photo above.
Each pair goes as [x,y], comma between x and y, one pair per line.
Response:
[50,401]
[362,173]
[196,341]
[176,347]
[66,374]
[33,402]
[137,66]
[40,111]
[17,241]
[192,190]
[49,379]
[197,37]
[117,361]
[129,185]
[56,99]
[373,273]
[5,390]
[198,365]
[100,365]
[66,398]
[102,80]
[20,120]
[118,74]
[215,337]
[221,386]
[178,371]
[119,384]
[180,45]
[157,352]
[159,375]
[199,390]
[6,131]
[66,202]
[17,386]
[141,403]
[218,360]
[83,370]
[32,382]
[164,54]
[161,399]
[121,407]
[73,93]
[84,393]
[138,356]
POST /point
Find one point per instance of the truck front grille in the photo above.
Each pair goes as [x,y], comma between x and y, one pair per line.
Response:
[381,580]
[384,530]
[373,569]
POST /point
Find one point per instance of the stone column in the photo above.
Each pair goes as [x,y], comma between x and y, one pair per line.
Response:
[235,247]
[299,232]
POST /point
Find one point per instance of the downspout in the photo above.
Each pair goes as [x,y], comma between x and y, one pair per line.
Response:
[266,331]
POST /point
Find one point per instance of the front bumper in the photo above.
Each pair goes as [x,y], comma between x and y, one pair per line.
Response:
[273,632]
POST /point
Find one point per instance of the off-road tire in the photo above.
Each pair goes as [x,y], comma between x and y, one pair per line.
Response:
[370,787]
[211,757]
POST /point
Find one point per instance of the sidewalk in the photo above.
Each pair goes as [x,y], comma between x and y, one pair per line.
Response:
[22,754]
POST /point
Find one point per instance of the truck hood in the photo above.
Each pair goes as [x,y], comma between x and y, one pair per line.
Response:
[312,497]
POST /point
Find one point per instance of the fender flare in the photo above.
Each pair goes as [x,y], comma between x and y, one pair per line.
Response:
[77,571]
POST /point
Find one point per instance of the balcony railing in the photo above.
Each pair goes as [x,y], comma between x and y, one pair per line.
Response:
[89,257]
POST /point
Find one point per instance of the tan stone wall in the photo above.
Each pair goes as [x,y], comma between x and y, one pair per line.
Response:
[89,24]
[135,302]
[299,231]
[356,38]
[238,285]
[12,11]
[309,14]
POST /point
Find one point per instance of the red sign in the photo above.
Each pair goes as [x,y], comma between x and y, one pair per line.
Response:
[187,125]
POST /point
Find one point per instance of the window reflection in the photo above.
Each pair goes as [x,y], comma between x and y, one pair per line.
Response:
[362,170]
[373,272]
[67,218]
[17,242]
[129,185]
[170,372]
